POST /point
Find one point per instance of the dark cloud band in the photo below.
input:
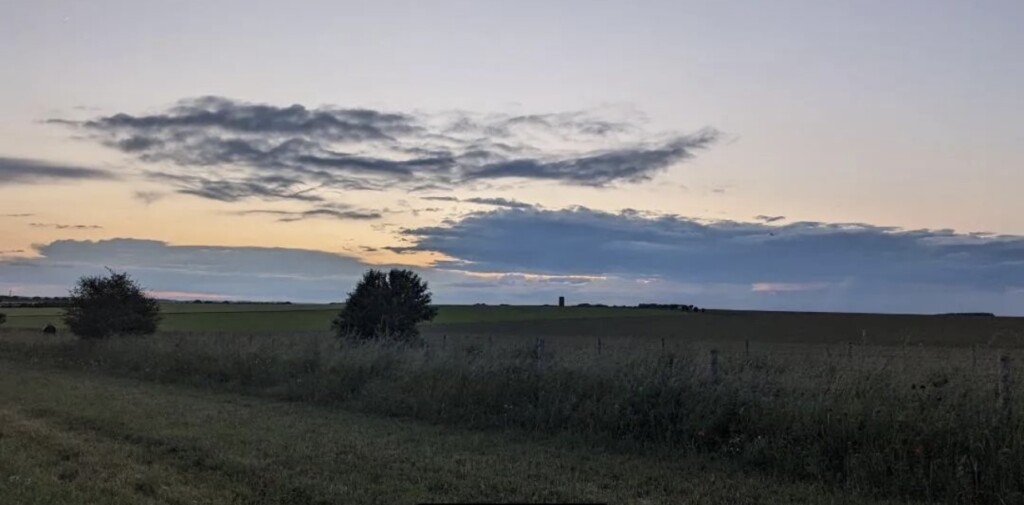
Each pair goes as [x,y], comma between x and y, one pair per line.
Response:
[25,171]
[229,150]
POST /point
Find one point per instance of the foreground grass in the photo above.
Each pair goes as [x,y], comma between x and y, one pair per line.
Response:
[70,437]
[899,427]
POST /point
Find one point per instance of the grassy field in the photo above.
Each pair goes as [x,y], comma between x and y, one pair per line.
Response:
[85,439]
[814,405]
[903,422]
[586,324]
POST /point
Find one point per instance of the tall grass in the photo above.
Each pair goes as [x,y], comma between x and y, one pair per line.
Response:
[881,425]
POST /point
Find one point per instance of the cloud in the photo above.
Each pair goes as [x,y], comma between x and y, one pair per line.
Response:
[594,257]
[148,197]
[60,226]
[25,171]
[601,168]
[340,213]
[25,214]
[214,272]
[264,188]
[834,266]
[493,202]
[228,150]
[235,272]
[769,219]
[500,202]
[12,251]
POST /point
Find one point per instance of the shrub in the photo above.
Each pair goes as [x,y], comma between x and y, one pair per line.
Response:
[386,306]
[101,306]
[3,318]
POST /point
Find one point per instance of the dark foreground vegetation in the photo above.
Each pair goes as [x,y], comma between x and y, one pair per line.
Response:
[923,425]
[78,438]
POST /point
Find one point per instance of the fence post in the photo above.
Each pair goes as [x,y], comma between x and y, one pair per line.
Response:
[1004,385]
[974,356]
[746,349]
[714,365]
[490,343]
[849,350]
[598,346]
[663,345]
[444,342]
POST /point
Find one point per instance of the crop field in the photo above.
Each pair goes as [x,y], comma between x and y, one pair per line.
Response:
[518,404]
[241,317]
[583,325]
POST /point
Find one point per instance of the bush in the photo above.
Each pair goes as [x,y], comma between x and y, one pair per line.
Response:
[3,318]
[101,306]
[386,306]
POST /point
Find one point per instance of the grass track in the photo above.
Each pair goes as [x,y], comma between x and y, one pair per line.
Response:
[70,437]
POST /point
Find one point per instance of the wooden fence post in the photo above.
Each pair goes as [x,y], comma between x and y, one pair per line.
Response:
[538,350]
[974,356]
[849,350]
[598,346]
[663,345]
[746,349]
[714,365]
[444,342]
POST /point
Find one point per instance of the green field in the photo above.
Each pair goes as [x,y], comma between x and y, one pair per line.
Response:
[817,408]
[590,323]
[312,317]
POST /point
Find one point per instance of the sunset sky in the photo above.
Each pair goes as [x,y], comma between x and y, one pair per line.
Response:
[851,156]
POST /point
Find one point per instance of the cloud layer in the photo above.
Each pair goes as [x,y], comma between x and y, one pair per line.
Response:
[858,265]
[245,273]
[228,150]
[534,256]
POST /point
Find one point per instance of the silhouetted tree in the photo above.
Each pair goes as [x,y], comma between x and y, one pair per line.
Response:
[115,304]
[386,305]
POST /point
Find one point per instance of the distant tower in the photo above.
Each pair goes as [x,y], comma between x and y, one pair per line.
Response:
[561,301]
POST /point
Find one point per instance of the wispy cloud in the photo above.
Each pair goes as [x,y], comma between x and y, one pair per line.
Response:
[148,197]
[26,171]
[769,219]
[60,226]
[229,150]
[500,202]
[493,201]
[318,212]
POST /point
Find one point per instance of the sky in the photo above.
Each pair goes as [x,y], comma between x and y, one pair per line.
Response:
[790,155]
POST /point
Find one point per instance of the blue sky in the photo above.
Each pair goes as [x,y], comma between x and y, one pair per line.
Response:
[515,151]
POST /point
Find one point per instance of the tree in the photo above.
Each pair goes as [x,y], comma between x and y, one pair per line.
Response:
[115,304]
[3,318]
[386,305]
